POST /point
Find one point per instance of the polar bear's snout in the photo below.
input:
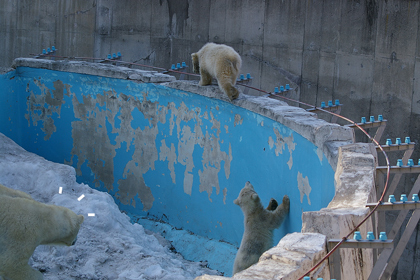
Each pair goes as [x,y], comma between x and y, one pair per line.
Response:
[249,185]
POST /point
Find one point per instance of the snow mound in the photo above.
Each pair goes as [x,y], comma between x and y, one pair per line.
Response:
[108,246]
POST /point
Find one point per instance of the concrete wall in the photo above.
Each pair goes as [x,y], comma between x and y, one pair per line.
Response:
[167,153]
[364,53]
[361,52]
[297,253]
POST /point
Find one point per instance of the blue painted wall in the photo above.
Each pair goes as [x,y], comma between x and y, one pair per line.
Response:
[161,152]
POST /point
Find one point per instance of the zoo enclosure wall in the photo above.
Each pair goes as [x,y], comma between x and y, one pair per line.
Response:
[171,150]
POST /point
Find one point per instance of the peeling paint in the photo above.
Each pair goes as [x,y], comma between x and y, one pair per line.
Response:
[144,157]
[260,120]
[226,128]
[185,156]
[91,143]
[167,153]
[238,120]
[280,145]
[211,167]
[304,187]
[94,113]
[41,107]
[224,195]
[320,154]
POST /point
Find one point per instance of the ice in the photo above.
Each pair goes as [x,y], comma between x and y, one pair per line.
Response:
[108,246]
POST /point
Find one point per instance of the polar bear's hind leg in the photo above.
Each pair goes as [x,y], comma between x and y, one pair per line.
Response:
[226,85]
[226,79]
[205,78]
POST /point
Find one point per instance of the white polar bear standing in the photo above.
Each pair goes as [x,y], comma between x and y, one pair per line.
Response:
[25,224]
[221,62]
[259,226]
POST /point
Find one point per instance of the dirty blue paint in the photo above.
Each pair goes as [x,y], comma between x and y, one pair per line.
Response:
[114,145]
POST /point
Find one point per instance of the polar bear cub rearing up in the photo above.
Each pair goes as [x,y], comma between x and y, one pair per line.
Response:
[221,62]
[259,226]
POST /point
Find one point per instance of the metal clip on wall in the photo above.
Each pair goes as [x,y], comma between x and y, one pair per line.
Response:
[49,52]
[245,80]
[380,124]
[114,59]
[334,108]
[179,66]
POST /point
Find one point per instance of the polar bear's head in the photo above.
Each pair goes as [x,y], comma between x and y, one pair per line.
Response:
[196,63]
[248,199]
[66,227]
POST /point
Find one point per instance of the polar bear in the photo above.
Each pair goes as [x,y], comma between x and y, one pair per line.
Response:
[25,224]
[259,226]
[221,62]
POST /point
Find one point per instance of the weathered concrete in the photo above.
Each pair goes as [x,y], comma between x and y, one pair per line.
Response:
[364,53]
[361,52]
[172,150]
[99,69]
[294,255]
[355,176]
[355,187]
[326,136]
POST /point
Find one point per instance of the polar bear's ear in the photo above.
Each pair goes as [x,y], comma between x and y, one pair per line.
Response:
[195,62]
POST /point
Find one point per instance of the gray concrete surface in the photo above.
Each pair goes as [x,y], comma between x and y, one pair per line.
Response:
[364,53]
[297,253]
[98,69]
[355,186]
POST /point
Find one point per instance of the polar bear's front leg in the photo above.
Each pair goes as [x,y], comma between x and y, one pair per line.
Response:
[205,78]
[23,271]
[281,212]
[272,205]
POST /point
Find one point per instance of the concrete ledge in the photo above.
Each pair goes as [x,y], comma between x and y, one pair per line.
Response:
[98,69]
[295,253]
[4,70]
[355,186]
[355,176]
[326,136]
[354,165]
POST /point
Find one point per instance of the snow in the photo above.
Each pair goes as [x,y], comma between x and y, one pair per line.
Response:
[108,246]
